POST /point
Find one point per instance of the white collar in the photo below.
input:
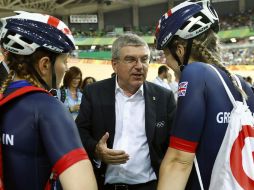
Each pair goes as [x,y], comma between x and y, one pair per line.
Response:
[119,89]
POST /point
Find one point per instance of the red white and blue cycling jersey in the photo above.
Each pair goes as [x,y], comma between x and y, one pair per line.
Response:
[37,134]
[202,115]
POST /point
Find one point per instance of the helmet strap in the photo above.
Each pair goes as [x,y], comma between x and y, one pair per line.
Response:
[53,90]
[53,83]
[44,84]
[187,53]
[176,58]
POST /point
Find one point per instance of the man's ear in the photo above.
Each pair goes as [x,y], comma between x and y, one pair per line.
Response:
[44,66]
[114,65]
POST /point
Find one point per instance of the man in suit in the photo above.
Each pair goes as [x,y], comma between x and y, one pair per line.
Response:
[124,121]
[4,70]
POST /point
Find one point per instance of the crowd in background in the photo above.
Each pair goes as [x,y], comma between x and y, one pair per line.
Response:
[227,22]
[235,56]
[236,20]
[238,55]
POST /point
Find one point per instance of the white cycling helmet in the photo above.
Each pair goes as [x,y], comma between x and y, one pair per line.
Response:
[186,20]
[23,33]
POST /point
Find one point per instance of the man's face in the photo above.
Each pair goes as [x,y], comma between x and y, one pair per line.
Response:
[132,67]
[165,75]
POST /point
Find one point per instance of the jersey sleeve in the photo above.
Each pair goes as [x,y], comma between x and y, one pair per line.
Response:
[191,107]
[59,135]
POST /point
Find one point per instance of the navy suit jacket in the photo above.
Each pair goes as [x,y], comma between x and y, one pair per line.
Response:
[97,116]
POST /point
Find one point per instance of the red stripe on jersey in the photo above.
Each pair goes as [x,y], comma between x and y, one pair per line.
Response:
[53,21]
[65,162]
[69,159]
[19,92]
[184,145]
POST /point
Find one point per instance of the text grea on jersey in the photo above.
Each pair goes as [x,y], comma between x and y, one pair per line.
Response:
[223,117]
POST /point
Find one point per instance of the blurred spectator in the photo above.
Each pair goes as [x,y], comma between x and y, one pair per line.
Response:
[86,81]
[249,81]
[162,75]
[70,93]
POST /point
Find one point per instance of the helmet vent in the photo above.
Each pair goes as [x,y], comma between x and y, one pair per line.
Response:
[212,11]
[203,21]
[26,40]
[184,25]
[17,46]
[194,27]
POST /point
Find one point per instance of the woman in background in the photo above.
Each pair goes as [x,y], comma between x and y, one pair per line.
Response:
[70,93]
[86,81]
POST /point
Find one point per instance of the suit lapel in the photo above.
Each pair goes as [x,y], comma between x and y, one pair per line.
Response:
[108,110]
[150,112]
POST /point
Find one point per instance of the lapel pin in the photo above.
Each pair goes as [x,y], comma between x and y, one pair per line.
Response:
[154,98]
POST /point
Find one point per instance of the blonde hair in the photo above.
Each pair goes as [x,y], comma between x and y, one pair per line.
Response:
[28,77]
[20,65]
[206,48]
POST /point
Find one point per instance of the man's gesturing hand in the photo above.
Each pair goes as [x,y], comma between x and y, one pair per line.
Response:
[109,156]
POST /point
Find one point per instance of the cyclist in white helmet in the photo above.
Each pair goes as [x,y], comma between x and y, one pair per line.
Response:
[187,35]
[40,142]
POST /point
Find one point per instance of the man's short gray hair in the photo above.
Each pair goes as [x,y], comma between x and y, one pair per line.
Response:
[126,40]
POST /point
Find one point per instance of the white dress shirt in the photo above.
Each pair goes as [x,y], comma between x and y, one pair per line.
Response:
[174,87]
[130,136]
[161,82]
